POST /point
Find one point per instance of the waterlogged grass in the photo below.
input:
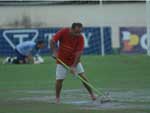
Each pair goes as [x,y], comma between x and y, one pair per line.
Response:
[124,73]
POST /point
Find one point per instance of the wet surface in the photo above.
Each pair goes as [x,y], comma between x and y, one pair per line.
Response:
[120,99]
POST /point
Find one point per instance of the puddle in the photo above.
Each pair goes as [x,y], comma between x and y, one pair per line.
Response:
[138,99]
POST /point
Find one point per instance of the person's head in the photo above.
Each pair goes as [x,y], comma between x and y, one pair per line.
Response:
[76,29]
[40,44]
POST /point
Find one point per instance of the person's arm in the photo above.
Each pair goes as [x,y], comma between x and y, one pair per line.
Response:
[33,55]
[54,40]
[78,54]
[53,47]
[29,45]
[77,58]
[73,67]
[30,59]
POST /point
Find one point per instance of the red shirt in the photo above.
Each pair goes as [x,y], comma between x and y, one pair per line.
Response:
[69,46]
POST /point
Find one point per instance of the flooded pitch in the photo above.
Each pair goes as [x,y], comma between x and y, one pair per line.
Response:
[120,99]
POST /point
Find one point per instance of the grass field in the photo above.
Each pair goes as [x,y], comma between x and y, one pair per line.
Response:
[30,88]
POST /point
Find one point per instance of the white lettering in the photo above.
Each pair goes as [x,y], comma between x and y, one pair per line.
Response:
[143,41]
[86,39]
[48,36]
[20,34]
[126,35]
[21,37]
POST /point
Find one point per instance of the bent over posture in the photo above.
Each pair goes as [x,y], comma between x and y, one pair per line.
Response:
[71,45]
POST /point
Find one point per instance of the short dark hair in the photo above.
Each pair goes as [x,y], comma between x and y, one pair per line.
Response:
[74,25]
[40,42]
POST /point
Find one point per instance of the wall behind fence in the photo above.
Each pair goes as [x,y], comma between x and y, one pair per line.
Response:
[114,15]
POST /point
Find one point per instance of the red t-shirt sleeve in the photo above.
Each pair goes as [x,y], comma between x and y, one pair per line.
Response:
[58,35]
[80,46]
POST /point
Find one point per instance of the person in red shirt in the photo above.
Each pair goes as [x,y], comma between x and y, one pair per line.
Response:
[71,45]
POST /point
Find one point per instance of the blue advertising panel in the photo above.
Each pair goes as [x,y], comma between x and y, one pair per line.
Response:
[133,40]
[9,38]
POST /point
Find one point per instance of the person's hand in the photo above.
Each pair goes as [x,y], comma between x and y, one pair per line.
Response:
[73,70]
[29,59]
[55,55]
